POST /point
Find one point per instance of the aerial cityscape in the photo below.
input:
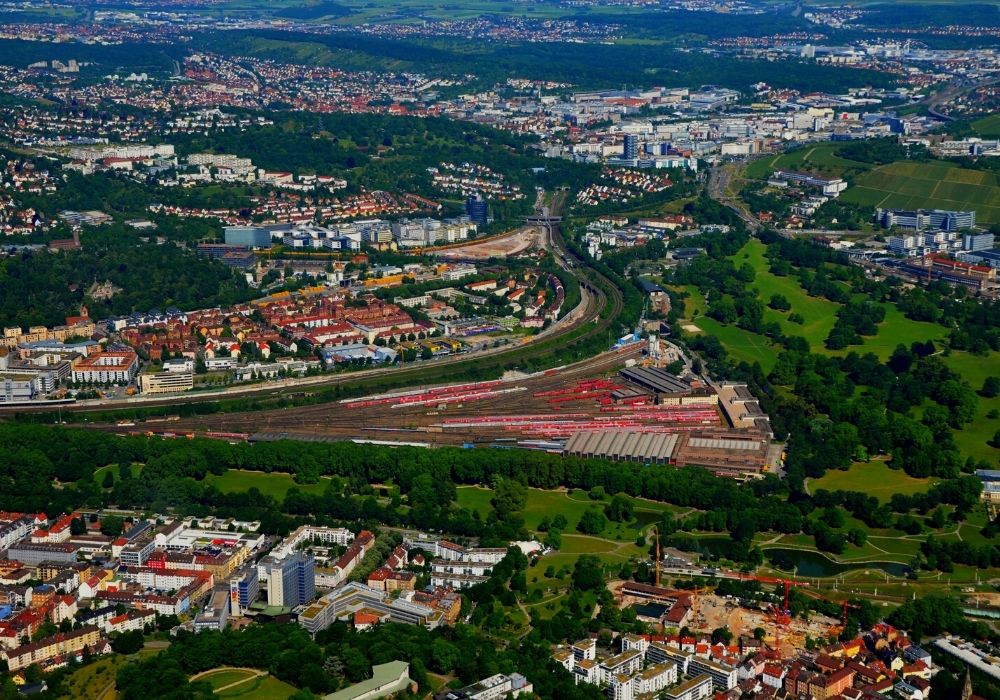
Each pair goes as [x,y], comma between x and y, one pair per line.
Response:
[486,349]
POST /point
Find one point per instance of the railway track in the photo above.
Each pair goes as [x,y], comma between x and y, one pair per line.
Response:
[603,302]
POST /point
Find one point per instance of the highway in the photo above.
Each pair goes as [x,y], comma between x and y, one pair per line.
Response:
[718,183]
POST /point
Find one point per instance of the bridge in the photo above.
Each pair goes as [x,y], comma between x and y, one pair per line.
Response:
[543,220]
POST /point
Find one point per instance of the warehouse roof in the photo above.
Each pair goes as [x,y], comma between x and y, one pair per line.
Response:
[658,380]
[626,445]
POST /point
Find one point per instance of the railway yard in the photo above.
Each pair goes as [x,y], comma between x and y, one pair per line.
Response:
[594,408]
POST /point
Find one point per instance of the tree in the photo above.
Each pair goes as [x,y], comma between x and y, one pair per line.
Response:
[991,387]
[621,509]
[109,480]
[112,525]
[588,574]
[128,642]
[553,539]
[509,497]
[591,522]
[779,302]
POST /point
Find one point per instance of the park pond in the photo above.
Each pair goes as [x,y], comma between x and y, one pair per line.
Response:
[818,565]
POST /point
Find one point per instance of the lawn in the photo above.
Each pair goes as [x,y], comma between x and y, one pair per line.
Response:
[911,185]
[896,329]
[99,474]
[743,346]
[972,439]
[694,304]
[541,503]
[820,159]
[223,677]
[262,688]
[819,314]
[274,484]
[873,478]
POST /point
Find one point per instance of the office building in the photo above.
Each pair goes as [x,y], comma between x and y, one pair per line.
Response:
[165,382]
[921,219]
[248,236]
[478,209]
[291,581]
[975,242]
[493,688]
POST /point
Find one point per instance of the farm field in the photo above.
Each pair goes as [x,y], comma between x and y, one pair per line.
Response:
[874,478]
[932,185]
[820,159]
[274,484]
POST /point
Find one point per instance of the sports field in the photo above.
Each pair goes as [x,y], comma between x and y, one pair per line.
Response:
[274,484]
[933,185]
[873,478]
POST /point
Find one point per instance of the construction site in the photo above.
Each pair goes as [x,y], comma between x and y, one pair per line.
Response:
[701,610]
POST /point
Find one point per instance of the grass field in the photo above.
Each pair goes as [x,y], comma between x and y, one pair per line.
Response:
[819,313]
[972,439]
[94,679]
[270,484]
[743,346]
[541,504]
[240,683]
[262,688]
[99,474]
[873,478]
[896,329]
[988,126]
[910,185]
[820,159]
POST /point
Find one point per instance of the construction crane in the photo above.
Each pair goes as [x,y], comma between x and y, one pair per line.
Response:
[656,530]
[843,612]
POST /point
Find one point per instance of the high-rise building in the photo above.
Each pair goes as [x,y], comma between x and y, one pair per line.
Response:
[243,589]
[630,147]
[290,581]
[478,209]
